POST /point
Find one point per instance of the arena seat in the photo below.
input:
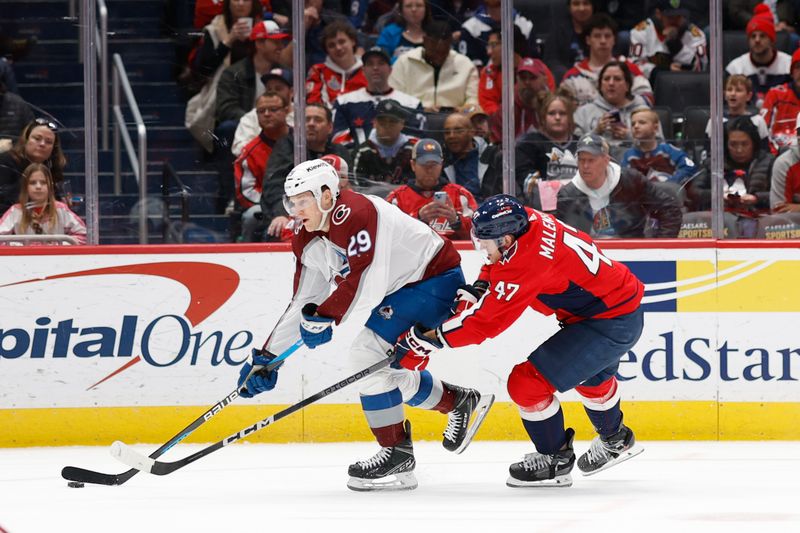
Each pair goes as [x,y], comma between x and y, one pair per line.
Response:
[680,90]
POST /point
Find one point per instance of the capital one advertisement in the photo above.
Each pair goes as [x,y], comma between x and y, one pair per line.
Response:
[172,329]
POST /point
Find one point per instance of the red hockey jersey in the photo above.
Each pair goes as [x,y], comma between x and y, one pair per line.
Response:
[553,268]
[411,199]
[780,109]
[327,80]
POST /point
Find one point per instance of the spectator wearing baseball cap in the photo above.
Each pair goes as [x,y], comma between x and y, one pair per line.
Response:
[668,40]
[446,207]
[490,82]
[533,78]
[354,112]
[781,105]
[764,64]
[278,80]
[607,201]
[435,73]
[385,157]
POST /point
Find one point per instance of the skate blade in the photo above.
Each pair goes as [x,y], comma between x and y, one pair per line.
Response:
[403,481]
[557,482]
[624,456]
[481,410]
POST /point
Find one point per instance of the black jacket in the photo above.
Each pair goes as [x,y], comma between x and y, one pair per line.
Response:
[633,201]
[236,91]
[15,114]
[370,166]
[281,162]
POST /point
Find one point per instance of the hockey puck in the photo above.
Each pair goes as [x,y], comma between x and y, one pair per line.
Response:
[75,485]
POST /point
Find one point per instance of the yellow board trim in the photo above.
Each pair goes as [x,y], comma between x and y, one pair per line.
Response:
[345,422]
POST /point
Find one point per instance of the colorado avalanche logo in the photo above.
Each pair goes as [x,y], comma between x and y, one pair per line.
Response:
[386,312]
[340,214]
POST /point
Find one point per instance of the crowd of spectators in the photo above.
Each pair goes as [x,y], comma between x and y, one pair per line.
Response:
[590,132]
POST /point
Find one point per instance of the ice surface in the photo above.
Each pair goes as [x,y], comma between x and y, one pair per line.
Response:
[673,486]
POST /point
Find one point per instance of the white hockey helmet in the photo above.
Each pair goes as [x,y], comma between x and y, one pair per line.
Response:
[312,176]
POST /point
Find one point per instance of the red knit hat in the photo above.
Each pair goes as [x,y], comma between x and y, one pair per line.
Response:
[762,21]
[795,58]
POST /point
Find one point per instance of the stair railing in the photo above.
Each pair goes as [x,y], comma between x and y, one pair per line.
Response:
[138,160]
[102,57]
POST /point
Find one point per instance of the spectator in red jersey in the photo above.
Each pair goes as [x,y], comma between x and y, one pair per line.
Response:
[250,167]
[490,83]
[445,207]
[600,36]
[342,72]
[533,78]
[781,105]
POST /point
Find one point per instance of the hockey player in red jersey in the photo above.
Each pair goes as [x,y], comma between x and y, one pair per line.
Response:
[355,252]
[536,261]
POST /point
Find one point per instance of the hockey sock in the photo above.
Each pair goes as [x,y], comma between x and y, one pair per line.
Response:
[547,434]
[606,422]
[384,412]
[431,394]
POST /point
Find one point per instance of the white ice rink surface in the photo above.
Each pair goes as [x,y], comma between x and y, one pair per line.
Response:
[673,486]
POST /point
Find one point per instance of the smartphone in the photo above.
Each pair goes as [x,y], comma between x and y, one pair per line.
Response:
[440,196]
[615,116]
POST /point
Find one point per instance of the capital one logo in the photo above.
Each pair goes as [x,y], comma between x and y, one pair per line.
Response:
[209,285]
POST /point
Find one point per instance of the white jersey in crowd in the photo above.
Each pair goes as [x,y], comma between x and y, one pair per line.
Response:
[647,41]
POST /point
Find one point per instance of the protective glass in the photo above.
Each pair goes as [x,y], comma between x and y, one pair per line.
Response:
[488,248]
[295,204]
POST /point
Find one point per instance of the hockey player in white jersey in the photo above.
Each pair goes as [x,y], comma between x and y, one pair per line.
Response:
[356,252]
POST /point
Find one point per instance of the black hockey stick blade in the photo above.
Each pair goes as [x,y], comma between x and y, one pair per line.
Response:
[73,473]
[134,459]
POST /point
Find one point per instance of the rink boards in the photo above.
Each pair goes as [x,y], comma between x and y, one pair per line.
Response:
[132,343]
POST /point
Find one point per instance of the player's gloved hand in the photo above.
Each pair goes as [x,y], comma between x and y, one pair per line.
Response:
[315,330]
[415,348]
[468,295]
[254,378]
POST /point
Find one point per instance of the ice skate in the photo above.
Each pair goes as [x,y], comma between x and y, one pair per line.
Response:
[459,433]
[389,469]
[606,452]
[540,470]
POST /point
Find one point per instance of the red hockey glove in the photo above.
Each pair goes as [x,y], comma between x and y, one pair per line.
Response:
[414,349]
[468,295]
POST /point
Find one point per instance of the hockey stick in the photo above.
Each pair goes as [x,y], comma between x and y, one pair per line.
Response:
[73,473]
[127,455]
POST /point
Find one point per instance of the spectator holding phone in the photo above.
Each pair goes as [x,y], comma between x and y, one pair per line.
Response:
[609,114]
[445,207]
[747,180]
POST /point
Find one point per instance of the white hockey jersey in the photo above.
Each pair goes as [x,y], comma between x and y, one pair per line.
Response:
[648,43]
[371,250]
